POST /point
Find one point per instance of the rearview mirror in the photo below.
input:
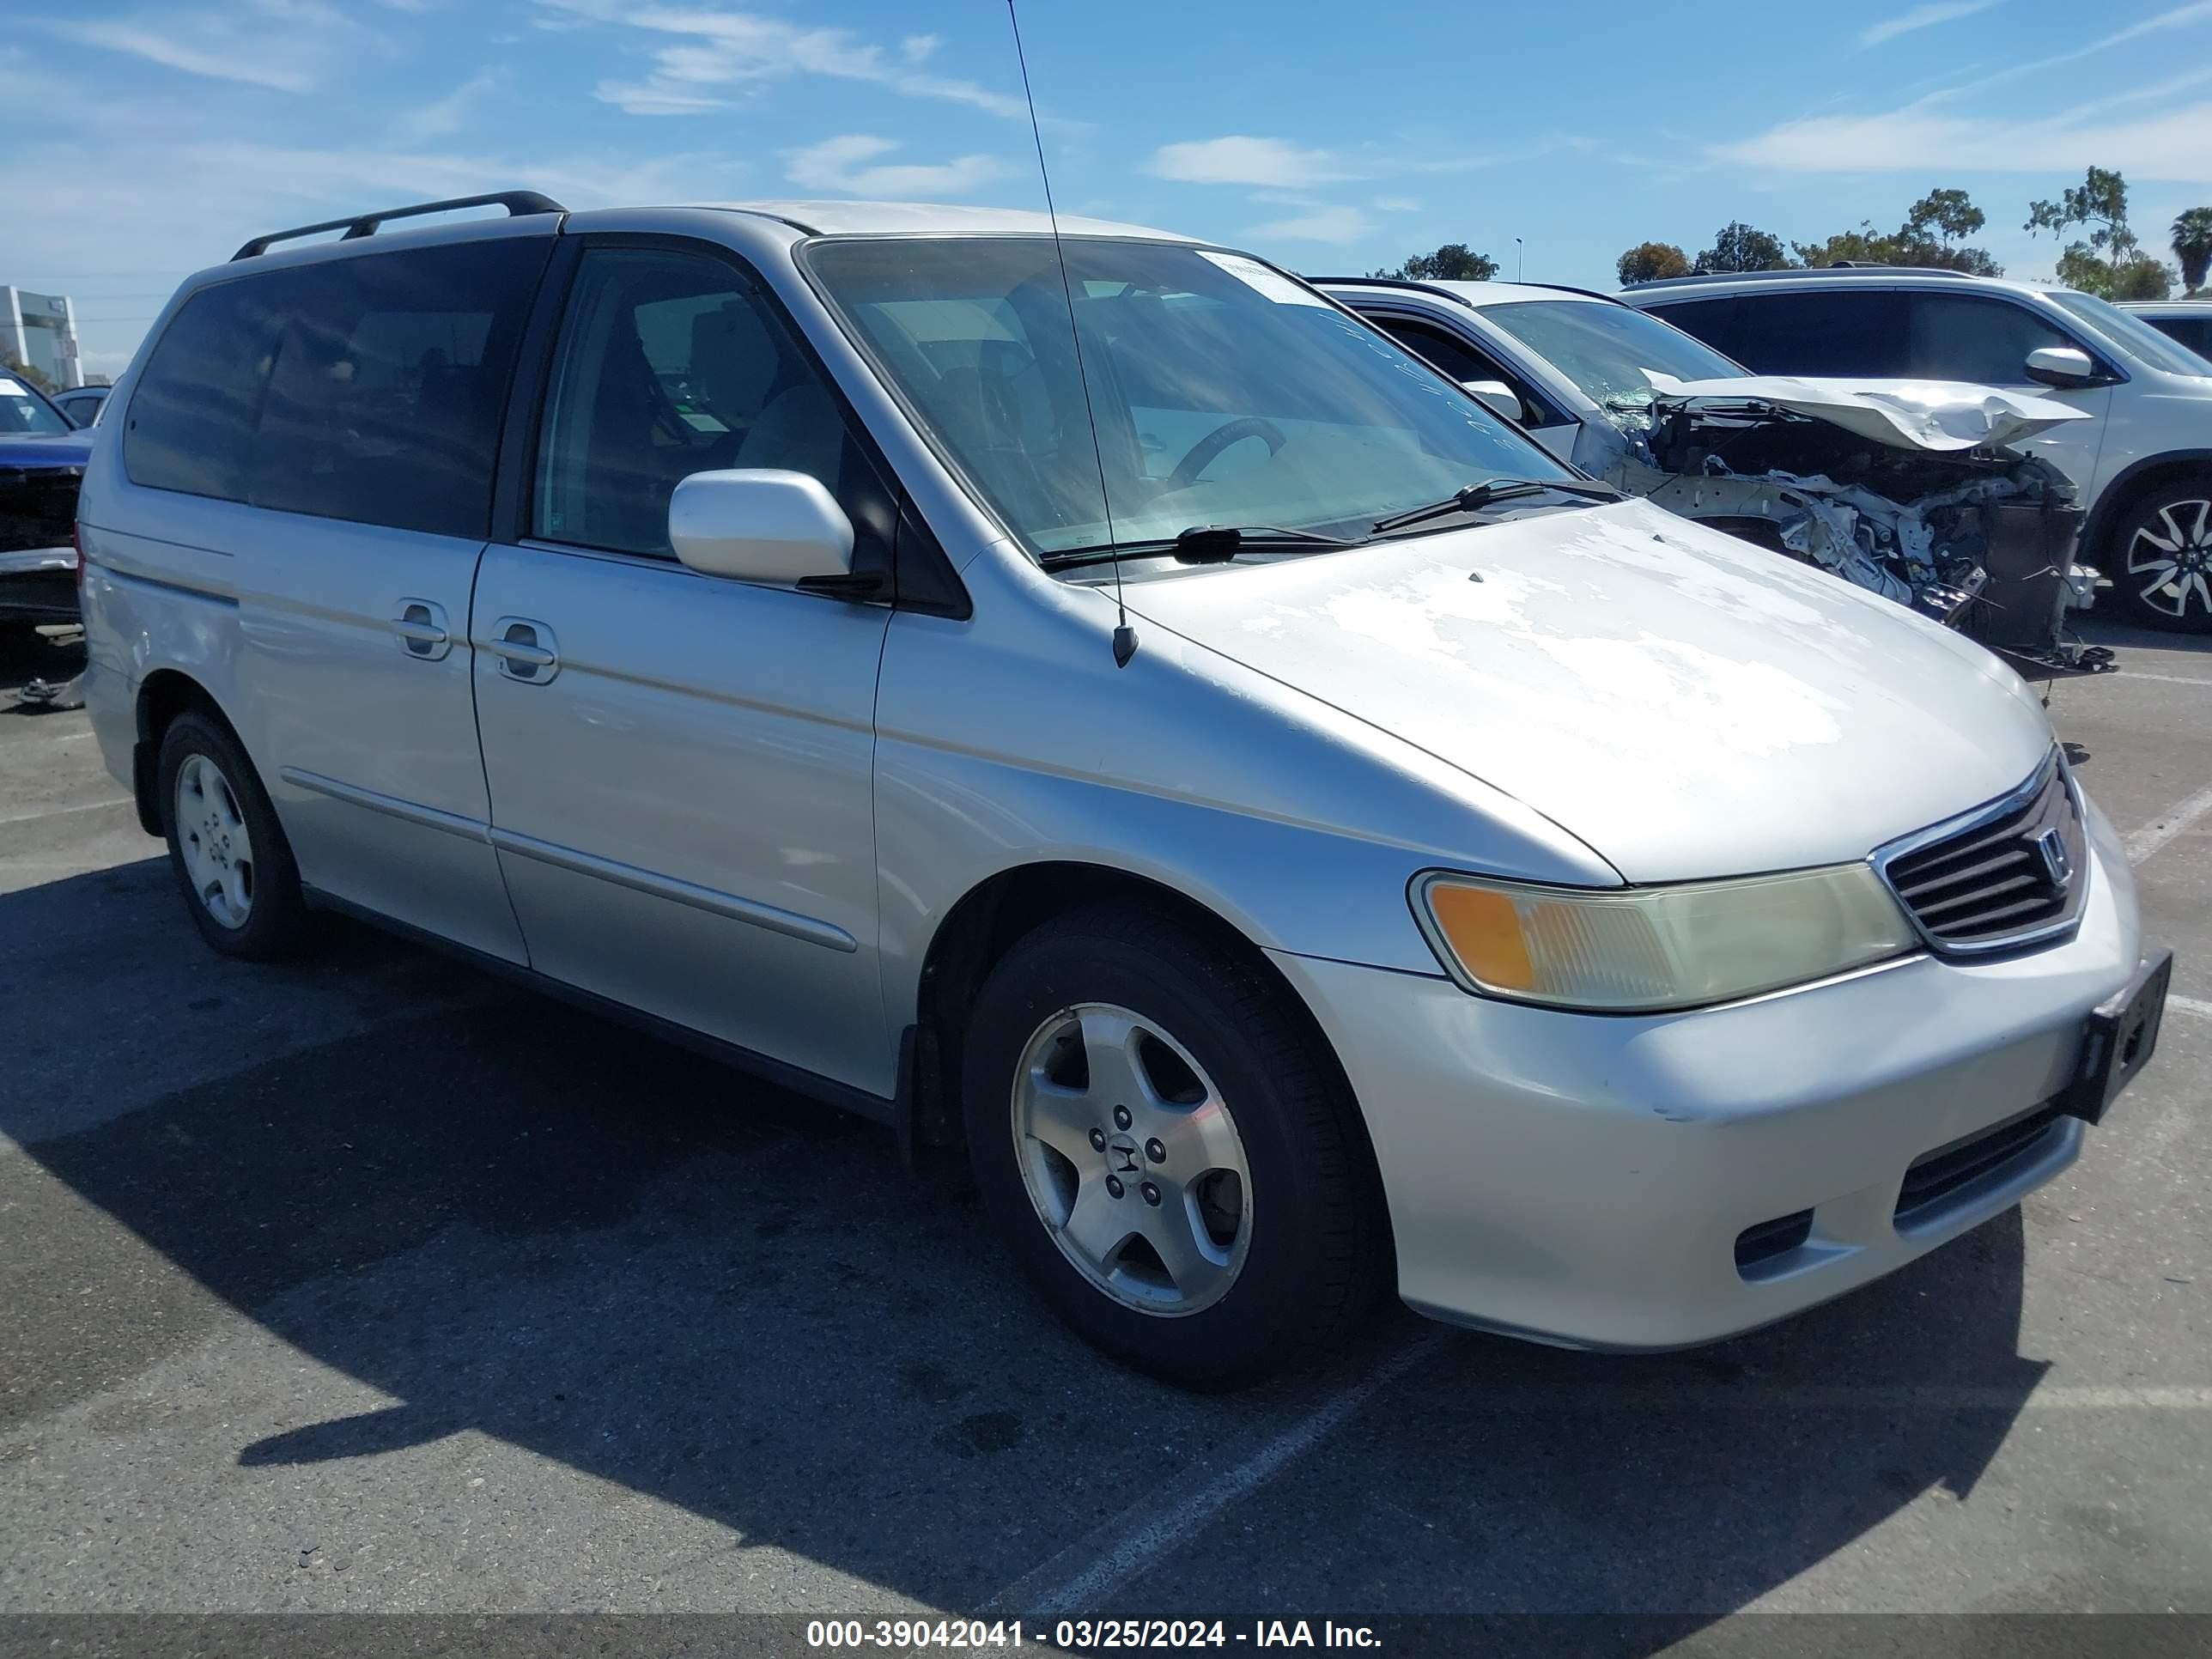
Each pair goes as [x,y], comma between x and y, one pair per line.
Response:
[757,524]
[1498,398]
[2061,366]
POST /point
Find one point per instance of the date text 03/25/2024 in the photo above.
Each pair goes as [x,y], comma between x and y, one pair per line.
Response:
[1086,1634]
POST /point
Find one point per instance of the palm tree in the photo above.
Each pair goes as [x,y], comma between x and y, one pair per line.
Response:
[2193,246]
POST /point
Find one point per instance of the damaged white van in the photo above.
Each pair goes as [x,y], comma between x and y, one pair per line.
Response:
[1306,840]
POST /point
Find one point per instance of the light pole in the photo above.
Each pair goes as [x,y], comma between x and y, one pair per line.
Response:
[1519,262]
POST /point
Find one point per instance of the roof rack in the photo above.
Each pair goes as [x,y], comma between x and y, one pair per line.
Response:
[1841,268]
[516,202]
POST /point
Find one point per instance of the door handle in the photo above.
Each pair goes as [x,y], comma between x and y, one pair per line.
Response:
[421,627]
[527,652]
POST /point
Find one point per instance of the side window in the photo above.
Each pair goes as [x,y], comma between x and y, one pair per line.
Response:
[669,364]
[1716,322]
[2194,332]
[390,378]
[1446,351]
[1812,333]
[1962,337]
[369,389]
[191,421]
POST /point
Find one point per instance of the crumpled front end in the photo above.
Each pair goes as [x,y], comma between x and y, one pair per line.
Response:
[38,528]
[1891,493]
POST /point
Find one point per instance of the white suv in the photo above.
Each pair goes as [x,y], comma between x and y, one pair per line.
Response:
[2144,466]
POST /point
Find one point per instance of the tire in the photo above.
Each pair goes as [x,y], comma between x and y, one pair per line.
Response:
[1276,1225]
[2161,558]
[225,844]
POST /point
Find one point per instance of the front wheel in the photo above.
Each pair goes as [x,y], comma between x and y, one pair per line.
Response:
[1173,1158]
[2165,548]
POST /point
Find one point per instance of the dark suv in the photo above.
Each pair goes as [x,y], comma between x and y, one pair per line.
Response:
[42,461]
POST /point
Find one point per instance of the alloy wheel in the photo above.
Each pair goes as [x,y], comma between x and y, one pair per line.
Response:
[217,849]
[2169,559]
[1132,1159]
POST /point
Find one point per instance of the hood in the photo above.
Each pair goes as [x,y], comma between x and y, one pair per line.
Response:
[1940,416]
[30,451]
[1688,704]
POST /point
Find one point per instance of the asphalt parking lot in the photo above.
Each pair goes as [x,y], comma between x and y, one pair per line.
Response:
[370,1284]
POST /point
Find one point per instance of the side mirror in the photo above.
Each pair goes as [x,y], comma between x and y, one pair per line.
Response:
[1498,398]
[756,525]
[2061,366]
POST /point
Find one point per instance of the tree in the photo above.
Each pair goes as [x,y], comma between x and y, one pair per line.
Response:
[2111,262]
[1949,212]
[1739,246]
[2193,246]
[26,371]
[1454,262]
[1932,228]
[1647,262]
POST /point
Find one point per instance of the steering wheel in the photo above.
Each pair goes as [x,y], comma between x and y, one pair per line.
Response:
[1201,454]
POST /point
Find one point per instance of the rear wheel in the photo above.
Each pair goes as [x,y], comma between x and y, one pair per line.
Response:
[1171,1156]
[228,850]
[2164,567]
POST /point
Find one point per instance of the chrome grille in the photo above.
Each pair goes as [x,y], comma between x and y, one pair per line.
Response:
[2006,874]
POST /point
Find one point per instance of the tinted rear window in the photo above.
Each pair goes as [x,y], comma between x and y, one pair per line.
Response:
[1846,333]
[369,389]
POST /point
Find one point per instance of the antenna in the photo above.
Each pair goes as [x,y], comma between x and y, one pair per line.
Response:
[1124,637]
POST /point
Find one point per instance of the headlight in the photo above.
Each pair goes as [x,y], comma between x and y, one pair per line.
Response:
[1639,949]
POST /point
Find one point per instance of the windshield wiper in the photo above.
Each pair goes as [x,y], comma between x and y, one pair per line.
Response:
[1201,544]
[1475,497]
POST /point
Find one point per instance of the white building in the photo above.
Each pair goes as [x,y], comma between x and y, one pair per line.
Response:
[39,330]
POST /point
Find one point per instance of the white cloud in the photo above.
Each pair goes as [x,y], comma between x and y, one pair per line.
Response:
[841,166]
[284,45]
[2175,143]
[1396,204]
[1237,159]
[443,117]
[155,41]
[722,53]
[1921,17]
[1336,225]
[2199,11]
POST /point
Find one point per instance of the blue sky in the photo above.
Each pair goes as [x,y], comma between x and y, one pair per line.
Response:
[147,139]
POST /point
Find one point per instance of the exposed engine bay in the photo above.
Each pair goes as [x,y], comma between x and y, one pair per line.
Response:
[1916,491]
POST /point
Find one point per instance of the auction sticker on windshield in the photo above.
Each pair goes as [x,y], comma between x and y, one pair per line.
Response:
[1261,280]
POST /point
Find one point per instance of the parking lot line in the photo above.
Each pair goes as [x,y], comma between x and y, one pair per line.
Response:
[2176,820]
[2167,679]
[2189,1005]
[64,811]
[1074,1580]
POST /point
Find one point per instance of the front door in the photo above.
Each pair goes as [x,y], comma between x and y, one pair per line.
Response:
[681,766]
[1985,338]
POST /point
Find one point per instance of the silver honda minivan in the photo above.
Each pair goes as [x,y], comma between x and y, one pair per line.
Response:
[1095,698]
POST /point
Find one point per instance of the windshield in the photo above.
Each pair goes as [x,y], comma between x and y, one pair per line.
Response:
[1224,393]
[1610,351]
[2139,339]
[22,410]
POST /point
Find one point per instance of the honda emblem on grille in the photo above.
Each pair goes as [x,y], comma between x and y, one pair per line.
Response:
[2055,859]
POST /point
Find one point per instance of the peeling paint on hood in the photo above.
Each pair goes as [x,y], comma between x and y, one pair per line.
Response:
[1685,702]
[1943,416]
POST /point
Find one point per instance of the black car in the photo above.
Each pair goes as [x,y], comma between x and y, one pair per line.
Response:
[42,460]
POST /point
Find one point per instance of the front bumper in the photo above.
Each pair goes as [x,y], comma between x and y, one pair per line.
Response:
[1584,1180]
[38,584]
